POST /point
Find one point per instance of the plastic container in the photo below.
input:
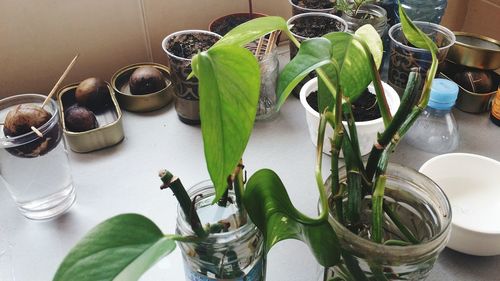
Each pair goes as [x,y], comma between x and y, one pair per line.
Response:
[417,10]
[436,130]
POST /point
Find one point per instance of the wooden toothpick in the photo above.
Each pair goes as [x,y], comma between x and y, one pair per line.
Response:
[65,73]
[259,47]
[37,132]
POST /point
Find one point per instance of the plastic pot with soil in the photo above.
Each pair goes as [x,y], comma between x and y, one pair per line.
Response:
[311,6]
[365,110]
[311,25]
[180,47]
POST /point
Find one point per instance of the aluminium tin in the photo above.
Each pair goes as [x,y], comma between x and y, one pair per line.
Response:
[109,132]
[141,103]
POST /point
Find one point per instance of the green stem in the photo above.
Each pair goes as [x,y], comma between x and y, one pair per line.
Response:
[174,183]
[404,230]
[377,210]
[405,108]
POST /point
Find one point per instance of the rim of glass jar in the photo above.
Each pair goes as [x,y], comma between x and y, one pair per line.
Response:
[371,9]
[315,14]
[207,185]
[419,24]
[309,10]
[400,253]
[7,142]
[188,31]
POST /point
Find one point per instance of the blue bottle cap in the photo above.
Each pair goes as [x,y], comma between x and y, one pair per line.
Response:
[444,93]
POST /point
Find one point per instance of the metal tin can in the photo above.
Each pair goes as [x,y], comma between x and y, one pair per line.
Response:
[109,132]
[141,103]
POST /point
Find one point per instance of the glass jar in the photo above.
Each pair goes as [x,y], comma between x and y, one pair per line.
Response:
[235,255]
[422,206]
[368,14]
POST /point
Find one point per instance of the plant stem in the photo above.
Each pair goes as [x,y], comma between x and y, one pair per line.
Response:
[389,133]
[174,183]
[404,230]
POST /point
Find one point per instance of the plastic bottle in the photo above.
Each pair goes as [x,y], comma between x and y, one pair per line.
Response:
[417,10]
[436,130]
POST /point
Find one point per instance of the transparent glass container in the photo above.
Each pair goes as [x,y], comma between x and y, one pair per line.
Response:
[422,206]
[368,14]
[235,255]
[36,169]
[269,70]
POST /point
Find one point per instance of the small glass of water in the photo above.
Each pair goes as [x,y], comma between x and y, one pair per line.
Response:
[36,169]
[269,69]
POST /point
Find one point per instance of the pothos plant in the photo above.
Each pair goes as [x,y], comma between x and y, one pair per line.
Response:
[125,246]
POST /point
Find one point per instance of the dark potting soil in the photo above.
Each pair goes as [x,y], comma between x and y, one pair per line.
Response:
[314,4]
[188,45]
[229,22]
[312,26]
[365,108]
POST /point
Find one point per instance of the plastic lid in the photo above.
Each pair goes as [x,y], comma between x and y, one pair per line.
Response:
[444,93]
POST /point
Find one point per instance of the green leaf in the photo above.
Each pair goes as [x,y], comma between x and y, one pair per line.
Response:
[414,35]
[229,87]
[373,40]
[313,53]
[252,30]
[120,248]
[353,61]
[272,212]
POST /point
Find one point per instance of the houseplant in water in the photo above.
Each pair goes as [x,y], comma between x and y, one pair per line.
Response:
[128,245]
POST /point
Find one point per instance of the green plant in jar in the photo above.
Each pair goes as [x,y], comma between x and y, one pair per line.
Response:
[124,247]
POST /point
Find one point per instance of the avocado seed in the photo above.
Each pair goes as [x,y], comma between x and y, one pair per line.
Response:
[79,119]
[19,122]
[146,80]
[20,119]
[93,93]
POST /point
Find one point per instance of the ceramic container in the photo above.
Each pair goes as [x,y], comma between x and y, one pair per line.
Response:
[367,130]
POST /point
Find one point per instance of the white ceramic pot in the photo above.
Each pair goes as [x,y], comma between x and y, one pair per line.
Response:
[367,130]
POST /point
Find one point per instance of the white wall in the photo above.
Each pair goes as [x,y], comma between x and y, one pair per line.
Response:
[38,38]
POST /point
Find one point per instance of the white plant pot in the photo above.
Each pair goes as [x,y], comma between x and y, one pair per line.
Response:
[367,130]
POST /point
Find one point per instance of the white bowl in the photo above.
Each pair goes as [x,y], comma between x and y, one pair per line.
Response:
[472,184]
[367,130]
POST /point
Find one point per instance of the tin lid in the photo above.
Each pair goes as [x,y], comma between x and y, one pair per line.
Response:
[443,94]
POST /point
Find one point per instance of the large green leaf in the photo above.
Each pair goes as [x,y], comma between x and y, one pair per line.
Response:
[229,87]
[272,212]
[353,61]
[313,53]
[120,248]
[252,30]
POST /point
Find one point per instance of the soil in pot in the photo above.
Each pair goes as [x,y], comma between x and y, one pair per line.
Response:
[313,4]
[188,45]
[310,27]
[365,108]
[229,22]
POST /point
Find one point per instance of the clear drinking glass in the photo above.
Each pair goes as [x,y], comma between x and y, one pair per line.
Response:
[235,255]
[269,69]
[35,169]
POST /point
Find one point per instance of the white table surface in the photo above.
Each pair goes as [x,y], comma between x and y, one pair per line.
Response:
[123,179]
